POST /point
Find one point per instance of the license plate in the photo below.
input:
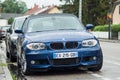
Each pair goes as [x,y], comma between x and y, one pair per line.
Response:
[65,55]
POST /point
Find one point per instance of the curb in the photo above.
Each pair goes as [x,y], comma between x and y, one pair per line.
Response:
[7,74]
[112,41]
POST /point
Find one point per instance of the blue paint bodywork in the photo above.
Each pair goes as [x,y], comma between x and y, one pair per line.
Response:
[44,58]
[58,36]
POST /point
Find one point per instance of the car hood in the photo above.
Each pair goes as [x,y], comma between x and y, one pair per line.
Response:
[52,36]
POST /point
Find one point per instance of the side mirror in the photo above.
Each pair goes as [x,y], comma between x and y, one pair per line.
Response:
[89,26]
[18,31]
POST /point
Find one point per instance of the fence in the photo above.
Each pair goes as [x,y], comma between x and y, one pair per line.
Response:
[104,35]
[101,34]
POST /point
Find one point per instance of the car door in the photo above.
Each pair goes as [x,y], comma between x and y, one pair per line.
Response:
[20,40]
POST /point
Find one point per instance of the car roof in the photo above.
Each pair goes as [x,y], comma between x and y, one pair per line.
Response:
[56,14]
[21,17]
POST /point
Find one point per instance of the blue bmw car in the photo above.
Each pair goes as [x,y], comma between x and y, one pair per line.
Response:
[57,41]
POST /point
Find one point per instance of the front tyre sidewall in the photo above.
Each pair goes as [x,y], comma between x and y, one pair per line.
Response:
[24,64]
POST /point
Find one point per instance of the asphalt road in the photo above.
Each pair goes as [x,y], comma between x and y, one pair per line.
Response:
[110,70]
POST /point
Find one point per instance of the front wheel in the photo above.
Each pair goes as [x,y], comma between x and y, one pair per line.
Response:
[18,62]
[12,58]
[24,64]
[97,67]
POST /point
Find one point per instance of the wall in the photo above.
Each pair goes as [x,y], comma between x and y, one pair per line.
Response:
[118,35]
[101,34]
[54,10]
[9,15]
[3,22]
[116,15]
[104,35]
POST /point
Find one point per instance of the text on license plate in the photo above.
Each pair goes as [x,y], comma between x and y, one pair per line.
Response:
[65,55]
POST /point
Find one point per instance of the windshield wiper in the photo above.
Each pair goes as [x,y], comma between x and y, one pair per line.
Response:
[43,31]
[54,30]
[36,31]
[67,29]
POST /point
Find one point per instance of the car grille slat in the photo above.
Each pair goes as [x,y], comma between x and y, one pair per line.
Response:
[64,45]
[57,46]
[71,45]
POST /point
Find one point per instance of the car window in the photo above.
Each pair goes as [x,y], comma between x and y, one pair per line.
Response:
[18,23]
[6,27]
[54,23]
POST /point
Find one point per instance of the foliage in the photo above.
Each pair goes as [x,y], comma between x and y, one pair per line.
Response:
[13,6]
[101,11]
[93,11]
[71,7]
[13,76]
[10,20]
[89,11]
[101,28]
[2,64]
[114,28]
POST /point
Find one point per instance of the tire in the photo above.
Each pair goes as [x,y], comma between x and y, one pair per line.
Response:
[24,66]
[18,62]
[7,54]
[0,41]
[12,58]
[98,67]
[18,68]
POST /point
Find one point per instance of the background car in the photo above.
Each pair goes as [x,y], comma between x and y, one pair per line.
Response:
[3,32]
[5,28]
[12,36]
[57,41]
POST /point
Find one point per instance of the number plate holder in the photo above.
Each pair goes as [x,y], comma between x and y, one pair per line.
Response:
[64,55]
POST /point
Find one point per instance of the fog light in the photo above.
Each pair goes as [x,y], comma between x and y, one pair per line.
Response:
[32,62]
[94,58]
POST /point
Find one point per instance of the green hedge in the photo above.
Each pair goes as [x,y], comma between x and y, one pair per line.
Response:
[114,28]
[10,20]
[101,28]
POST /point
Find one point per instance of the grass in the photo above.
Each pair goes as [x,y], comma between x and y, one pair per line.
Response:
[13,76]
[2,64]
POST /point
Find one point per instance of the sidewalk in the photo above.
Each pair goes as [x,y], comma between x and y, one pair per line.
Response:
[4,71]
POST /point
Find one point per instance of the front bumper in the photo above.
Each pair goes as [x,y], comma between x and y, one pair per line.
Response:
[87,57]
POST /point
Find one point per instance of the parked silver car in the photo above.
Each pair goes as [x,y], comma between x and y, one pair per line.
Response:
[12,36]
[3,31]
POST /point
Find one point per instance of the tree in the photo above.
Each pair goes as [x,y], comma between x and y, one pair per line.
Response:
[93,11]
[13,6]
[71,6]
[10,20]
[89,11]
[22,7]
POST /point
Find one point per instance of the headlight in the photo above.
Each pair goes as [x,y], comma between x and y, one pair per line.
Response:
[36,46]
[89,43]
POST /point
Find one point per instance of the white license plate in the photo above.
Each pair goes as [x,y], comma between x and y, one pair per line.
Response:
[65,55]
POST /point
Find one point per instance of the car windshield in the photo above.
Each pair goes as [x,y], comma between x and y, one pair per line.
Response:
[54,23]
